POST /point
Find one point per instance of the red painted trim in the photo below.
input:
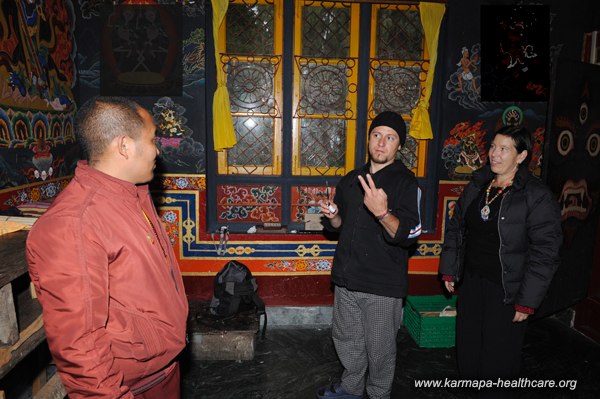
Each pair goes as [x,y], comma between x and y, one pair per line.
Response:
[300,290]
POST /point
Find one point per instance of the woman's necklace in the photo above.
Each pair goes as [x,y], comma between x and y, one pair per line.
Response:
[485,211]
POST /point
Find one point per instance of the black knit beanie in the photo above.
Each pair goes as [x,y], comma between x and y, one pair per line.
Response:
[392,120]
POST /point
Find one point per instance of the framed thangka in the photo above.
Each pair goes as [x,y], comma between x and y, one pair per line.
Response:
[141,47]
[515,53]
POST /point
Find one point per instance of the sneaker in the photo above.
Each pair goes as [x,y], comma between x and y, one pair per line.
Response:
[335,391]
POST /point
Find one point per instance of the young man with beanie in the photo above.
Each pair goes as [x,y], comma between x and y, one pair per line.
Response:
[376,210]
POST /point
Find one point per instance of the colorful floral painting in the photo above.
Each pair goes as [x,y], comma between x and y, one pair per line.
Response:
[251,204]
[170,220]
[300,265]
[306,199]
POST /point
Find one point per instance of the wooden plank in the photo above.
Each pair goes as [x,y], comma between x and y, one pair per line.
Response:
[9,330]
[53,389]
[27,308]
[12,253]
[29,339]
[38,382]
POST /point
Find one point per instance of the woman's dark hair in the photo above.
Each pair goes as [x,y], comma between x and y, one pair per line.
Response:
[521,137]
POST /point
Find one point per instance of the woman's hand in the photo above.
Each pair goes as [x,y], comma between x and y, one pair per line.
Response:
[519,317]
[449,286]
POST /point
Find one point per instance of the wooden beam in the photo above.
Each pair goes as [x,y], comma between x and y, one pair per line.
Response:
[9,329]
[53,389]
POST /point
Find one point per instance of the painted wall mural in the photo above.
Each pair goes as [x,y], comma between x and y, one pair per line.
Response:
[572,170]
[464,84]
[515,43]
[181,200]
[141,49]
[175,139]
[465,149]
[37,70]
[181,118]
[38,49]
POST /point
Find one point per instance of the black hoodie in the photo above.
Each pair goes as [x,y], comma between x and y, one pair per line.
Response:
[367,259]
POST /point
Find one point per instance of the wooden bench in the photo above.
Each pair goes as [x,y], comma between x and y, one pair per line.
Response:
[21,325]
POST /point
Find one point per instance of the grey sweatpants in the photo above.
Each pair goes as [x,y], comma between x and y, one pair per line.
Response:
[364,334]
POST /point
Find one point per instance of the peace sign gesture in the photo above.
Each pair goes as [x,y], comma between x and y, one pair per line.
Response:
[375,198]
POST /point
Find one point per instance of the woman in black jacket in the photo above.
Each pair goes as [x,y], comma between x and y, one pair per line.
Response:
[502,246]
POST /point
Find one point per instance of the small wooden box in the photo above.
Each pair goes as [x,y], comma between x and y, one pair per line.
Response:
[221,339]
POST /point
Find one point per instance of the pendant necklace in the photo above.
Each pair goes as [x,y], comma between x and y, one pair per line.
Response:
[485,211]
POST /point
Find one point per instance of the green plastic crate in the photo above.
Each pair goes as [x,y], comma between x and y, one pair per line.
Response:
[430,331]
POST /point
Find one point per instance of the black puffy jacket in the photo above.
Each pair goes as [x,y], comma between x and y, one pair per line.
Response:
[530,236]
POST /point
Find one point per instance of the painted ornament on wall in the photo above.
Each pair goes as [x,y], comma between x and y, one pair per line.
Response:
[178,149]
[515,52]
[194,58]
[465,150]
[464,85]
[141,46]
[572,171]
[37,54]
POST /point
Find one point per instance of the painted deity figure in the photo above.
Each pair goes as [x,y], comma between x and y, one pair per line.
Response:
[467,65]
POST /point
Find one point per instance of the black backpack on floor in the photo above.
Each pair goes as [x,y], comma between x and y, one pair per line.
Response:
[234,291]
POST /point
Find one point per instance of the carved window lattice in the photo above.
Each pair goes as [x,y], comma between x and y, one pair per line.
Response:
[324,84]
[254,150]
[324,87]
[326,51]
[325,30]
[397,87]
[408,152]
[250,83]
[399,34]
[253,43]
[323,143]
[398,68]
[250,28]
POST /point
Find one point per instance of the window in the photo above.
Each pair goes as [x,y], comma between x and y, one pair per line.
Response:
[325,88]
[398,69]
[303,90]
[253,38]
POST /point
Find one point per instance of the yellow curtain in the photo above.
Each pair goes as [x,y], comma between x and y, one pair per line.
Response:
[431,19]
[223,133]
